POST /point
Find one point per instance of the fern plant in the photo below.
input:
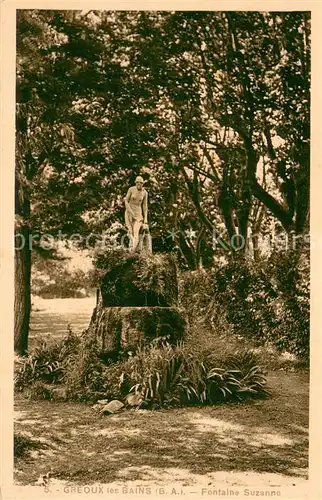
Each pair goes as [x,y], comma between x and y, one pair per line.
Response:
[163,375]
[47,363]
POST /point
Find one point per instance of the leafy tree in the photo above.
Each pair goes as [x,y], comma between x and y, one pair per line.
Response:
[212,108]
[48,154]
[232,87]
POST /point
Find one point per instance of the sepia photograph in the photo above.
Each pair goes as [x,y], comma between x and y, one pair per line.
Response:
[162,243]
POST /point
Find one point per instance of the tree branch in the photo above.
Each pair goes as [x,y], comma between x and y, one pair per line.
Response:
[193,190]
[194,193]
[270,148]
[210,160]
[273,205]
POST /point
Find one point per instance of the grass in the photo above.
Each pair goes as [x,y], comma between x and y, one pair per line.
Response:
[83,447]
[51,317]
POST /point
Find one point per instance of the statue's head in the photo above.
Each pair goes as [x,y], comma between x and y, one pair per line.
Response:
[139,182]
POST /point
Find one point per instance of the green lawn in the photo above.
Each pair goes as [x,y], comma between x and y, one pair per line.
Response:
[50,318]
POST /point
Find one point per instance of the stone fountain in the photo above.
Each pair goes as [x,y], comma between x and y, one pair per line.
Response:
[137,296]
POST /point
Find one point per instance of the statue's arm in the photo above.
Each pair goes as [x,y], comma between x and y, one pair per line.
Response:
[126,201]
[145,208]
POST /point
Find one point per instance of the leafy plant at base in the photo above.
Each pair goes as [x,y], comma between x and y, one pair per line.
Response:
[162,375]
[158,374]
[47,363]
[155,274]
[267,305]
[250,374]
[72,363]
[83,374]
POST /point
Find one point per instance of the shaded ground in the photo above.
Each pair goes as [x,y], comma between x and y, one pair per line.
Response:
[263,443]
[269,436]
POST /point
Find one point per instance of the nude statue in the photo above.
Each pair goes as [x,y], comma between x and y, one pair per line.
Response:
[136,212]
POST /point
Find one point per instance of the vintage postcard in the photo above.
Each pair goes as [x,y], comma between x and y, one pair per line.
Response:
[161,235]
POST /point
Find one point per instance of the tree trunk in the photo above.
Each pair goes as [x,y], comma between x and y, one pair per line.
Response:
[22,301]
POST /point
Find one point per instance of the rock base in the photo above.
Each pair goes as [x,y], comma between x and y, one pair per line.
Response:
[137,301]
[117,328]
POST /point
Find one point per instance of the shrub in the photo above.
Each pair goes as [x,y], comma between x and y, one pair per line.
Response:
[197,298]
[159,374]
[48,362]
[163,375]
[135,279]
[248,298]
[268,304]
[291,273]
[73,364]
[83,373]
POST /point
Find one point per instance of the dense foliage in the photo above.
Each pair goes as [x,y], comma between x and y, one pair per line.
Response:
[55,278]
[212,108]
[136,279]
[269,304]
[157,374]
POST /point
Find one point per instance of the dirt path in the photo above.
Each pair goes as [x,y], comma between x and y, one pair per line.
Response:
[264,444]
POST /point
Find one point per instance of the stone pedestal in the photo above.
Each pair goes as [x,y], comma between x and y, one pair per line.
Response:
[137,301]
